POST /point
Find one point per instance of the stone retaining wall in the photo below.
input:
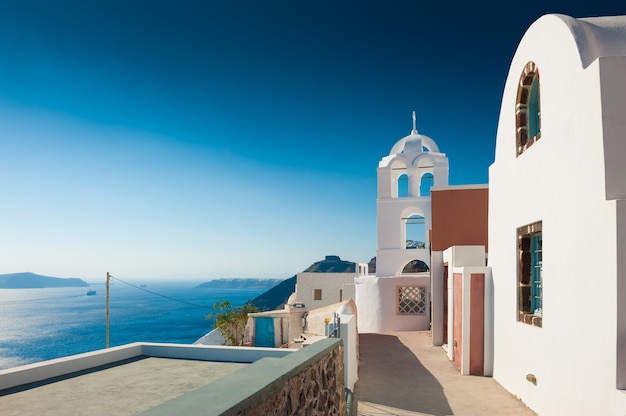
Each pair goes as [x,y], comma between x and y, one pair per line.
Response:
[306,382]
[316,391]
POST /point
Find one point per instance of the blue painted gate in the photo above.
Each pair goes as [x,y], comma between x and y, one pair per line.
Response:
[264,332]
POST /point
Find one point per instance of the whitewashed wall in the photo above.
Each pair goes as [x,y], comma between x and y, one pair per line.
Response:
[331,284]
[350,336]
[436,293]
[392,255]
[376,299]
[560,180]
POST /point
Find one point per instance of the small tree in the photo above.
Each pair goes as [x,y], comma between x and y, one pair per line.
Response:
[231,320]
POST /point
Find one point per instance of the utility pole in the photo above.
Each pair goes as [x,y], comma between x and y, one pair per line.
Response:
[107,320]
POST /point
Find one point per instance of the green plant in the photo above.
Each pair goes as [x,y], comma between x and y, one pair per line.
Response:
[231,320]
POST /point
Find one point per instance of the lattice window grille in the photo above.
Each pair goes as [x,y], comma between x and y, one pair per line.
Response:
[411,300]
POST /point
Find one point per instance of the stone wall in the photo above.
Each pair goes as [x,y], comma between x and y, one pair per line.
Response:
[317,390]
[306,382]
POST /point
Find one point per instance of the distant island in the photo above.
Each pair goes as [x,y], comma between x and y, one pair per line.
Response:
[34,281]
[235,283]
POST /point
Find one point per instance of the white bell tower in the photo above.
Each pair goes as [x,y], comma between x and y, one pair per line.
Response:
[403,204]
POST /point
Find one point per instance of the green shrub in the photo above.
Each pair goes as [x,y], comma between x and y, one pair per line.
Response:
[231,320]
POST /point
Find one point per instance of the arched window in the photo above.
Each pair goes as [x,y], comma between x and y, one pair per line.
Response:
[528,109]
[415,232]
[403,185]
[415,266]
[426,182]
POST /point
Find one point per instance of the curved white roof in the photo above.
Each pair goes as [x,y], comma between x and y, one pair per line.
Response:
[597,36]
[414,143]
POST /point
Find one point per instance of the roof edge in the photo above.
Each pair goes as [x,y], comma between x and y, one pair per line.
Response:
[596,37]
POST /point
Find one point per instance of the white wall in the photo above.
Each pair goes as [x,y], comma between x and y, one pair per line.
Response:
[316,327]
[393,261]
[463,256]
[436,293]
[621,295]
[369,302]
[214,337]
[560,180]
[392,254]
[391,226]
[377,302]
[350,336]
[612,70]
[331,284]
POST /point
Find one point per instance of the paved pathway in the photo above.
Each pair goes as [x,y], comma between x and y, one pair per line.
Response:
[402,374]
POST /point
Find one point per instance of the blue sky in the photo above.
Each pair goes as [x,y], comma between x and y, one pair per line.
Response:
[205,139]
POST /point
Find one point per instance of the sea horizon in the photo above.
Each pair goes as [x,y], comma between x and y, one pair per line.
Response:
[43,324]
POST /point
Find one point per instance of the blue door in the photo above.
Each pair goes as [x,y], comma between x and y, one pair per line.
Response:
[264,332]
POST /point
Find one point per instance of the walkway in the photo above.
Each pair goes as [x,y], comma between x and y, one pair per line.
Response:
[402,374]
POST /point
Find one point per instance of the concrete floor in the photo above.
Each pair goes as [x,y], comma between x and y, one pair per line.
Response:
[123,389]
[402,374]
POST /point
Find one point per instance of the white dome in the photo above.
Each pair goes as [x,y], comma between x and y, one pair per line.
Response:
[414,143]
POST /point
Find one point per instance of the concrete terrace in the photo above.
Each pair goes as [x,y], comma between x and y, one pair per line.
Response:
[141,377]
[152,379]
[124,388]
[402,374]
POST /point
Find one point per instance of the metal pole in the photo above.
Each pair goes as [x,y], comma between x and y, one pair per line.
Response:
[107,320]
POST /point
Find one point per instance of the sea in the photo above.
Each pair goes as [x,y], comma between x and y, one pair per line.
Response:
[43,324]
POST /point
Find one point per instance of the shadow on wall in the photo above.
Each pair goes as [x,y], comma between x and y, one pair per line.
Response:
[391,375]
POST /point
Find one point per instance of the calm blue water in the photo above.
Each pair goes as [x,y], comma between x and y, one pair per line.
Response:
[41,324]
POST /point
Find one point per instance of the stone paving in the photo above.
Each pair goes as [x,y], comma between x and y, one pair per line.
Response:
[402,374]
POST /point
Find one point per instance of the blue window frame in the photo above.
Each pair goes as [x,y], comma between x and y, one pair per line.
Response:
[530,274]
[528,109]
[534,121]
[536,299]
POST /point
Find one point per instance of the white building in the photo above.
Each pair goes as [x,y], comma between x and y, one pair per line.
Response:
[393,300]
[560,170]
[316,290]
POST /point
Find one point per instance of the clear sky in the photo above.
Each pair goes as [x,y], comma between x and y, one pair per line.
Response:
[221,138]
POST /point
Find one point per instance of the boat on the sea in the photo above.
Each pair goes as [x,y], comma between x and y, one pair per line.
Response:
[91,293]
